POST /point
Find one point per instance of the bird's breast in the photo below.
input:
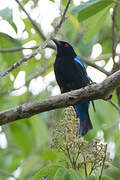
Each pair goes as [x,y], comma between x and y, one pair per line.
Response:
[63,68]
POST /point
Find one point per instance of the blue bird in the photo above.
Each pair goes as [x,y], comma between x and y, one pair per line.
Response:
[71,74]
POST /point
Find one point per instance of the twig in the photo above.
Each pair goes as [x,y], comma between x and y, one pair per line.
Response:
[100,176]
[89,63]
[68,153]
[31,20]
[25,59]
[113,32]
[88,93]
[75,161]
[33,76]
[16,49]
[34,24]
[93,165]
[79,151]
[115,105]
[61,7]
[118,121]
[85,166]
[105,56]
[22,48]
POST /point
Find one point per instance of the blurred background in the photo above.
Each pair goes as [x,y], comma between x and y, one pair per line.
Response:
[24,144]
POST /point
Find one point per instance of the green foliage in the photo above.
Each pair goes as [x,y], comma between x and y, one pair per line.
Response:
[90,8]
[106,178]
[40,130]
[116,161]
[118,16]
[30,165]
[46,171]
[7,15]
[19,132]
[98,20]
[7,42]
[91,178]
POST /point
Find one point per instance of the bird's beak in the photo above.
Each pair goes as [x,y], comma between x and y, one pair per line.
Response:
[56,41]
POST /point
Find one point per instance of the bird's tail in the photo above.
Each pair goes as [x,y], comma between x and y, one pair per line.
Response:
[84,124]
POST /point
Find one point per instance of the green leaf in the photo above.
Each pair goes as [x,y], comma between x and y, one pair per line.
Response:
[118,16]
[63,174]
[68,176]
[15,162]
[30,166]
[6,14]
[116,161]
[90,8]
[22,137]
[91,178]
[85,48]
[98,19]
[106,45]
[31,36]
[40,130]
[8,59]
[106,178]
[59,175]
[25,1]
[49,155]
[113,172]
[75,175]
[46,171]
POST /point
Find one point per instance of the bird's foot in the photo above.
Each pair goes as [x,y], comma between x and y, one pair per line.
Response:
[92,83]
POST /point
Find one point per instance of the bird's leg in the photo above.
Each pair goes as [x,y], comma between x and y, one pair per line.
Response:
[91,82]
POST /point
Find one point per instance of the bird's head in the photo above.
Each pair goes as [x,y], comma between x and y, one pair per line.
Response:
[64,48]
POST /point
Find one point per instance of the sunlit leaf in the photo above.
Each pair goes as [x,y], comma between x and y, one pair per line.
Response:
[7,42]
[75,174]
[49,155]
[60,173]
[98,20]
[91,178]
[118,16]
[46,171]
[90,8]
[116,161]
[40,130]
[30,166]
[106,178]
[22,137]
[6,14]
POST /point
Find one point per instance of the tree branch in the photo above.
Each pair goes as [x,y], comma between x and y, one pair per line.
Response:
[17,49]
[91,92]
[25,59]
[113,32]
[33,76]
[92,64]
[115,105]
[34,24]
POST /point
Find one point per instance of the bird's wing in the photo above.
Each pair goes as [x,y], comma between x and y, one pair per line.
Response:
[82,71]
[77,59]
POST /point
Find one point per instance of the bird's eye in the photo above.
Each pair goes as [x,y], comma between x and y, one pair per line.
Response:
[66,45]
